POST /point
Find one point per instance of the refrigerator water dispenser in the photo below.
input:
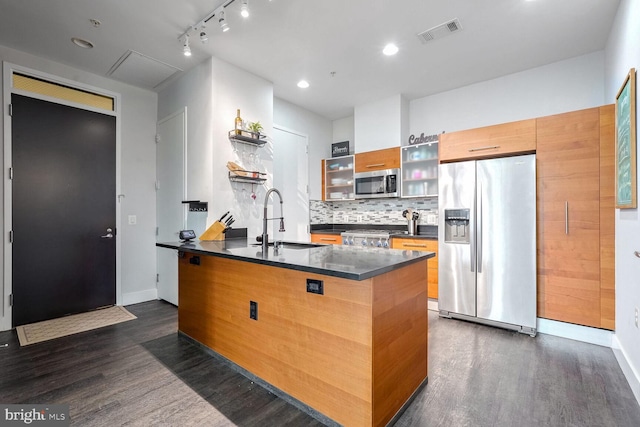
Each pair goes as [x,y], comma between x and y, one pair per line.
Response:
[456,225]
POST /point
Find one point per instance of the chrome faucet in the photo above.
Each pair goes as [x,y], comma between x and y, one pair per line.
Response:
[265,235]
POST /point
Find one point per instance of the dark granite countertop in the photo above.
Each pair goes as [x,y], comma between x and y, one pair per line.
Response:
[348,262]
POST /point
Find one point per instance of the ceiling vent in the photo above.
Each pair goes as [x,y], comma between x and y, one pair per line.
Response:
[440,31]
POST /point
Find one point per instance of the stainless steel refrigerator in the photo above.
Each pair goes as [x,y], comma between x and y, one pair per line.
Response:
[487,242]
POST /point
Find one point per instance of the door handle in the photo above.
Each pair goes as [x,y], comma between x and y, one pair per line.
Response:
[109,234]
[566,217]
[479,230]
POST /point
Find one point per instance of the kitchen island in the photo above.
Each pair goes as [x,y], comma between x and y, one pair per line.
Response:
[339,331]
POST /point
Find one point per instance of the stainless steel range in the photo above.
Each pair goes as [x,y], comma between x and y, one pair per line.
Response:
[368,238]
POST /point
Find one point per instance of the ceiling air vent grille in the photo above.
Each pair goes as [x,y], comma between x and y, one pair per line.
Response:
[440,31]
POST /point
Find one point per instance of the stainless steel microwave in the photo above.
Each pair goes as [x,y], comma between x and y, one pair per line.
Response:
[380,183]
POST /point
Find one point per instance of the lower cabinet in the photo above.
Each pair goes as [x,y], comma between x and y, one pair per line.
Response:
[432,264]
[327,239]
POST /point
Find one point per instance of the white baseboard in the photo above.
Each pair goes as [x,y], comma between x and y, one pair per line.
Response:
[432,304]
[632,376]
[140,296]
[575,332]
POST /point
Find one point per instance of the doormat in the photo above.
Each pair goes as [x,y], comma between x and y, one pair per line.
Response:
[69,325]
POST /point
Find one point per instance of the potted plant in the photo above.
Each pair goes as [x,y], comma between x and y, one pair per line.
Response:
[255,128]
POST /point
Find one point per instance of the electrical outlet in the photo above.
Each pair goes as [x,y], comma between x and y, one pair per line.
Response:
[253,310]
[358,218]
[133,220]
[345,219]
[636,317]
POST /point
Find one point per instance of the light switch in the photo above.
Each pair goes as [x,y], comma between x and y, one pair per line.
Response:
[133,220]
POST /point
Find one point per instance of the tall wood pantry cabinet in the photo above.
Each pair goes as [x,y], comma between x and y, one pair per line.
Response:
[576,217]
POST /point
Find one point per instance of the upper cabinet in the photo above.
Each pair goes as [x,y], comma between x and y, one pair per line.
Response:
[338,182]
[490,141]
[388,158]
[420,170]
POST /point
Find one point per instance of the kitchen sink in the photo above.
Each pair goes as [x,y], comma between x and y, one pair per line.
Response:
[294,245]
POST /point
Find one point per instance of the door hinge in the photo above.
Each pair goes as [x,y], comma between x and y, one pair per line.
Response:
[10,173]
[10,236]
[158,278]
[10,110]
[157,231]
[157,138]
[157,185]
[10,300]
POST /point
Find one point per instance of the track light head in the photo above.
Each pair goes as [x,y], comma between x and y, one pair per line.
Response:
[203,37]
[222,21]
[244,9]
[186,50]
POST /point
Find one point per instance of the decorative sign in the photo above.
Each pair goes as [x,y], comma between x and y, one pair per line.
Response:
[626,192]
[421,139]
[340,149]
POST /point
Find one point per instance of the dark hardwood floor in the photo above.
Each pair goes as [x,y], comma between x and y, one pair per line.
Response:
[141,373]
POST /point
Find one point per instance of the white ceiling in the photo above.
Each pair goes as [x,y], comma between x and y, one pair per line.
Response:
[284,41]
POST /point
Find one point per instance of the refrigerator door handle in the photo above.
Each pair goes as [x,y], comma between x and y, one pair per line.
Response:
[472,235]
[479,228]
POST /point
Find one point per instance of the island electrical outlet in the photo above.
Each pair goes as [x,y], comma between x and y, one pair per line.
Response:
[253,310]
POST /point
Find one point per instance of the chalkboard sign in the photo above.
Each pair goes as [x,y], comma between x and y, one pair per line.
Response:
[626,192]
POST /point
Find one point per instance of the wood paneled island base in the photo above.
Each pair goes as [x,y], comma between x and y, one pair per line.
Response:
[356,353]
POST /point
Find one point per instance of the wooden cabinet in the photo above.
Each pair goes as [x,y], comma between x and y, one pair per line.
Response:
[333,239]
[388,158]
[575,217]
[432,264]
[490,141]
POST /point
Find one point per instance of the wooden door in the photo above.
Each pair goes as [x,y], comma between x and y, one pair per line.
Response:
[64,202]
[568,186]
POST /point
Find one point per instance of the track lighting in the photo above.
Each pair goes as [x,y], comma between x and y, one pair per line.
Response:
[222,21]
[244,9]
[219,13]
[185,47]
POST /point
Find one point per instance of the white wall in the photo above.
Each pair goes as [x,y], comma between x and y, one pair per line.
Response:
[623,53]
[380,124]
[193,90]
[319,131]
[343,130]
[569,85]
[212,92]
[137,176]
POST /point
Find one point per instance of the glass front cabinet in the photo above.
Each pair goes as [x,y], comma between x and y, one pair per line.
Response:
[338,178]
[420,170]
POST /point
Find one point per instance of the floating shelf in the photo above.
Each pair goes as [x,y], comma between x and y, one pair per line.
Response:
[248,138]
[247,179]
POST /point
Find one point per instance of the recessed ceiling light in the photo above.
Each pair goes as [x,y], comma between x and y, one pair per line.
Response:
[303,84]
[85,44]
[390,49]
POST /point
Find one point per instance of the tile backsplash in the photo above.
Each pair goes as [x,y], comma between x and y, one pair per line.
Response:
[373,211]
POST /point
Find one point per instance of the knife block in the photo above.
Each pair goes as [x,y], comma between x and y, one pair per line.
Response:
[214,232]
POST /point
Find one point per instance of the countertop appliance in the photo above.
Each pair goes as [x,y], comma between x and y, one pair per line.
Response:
[487,242]
[368,238]
[379,183]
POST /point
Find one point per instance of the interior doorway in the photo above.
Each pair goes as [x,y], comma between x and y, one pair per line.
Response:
[63,209]
[291,178]
[171,191]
